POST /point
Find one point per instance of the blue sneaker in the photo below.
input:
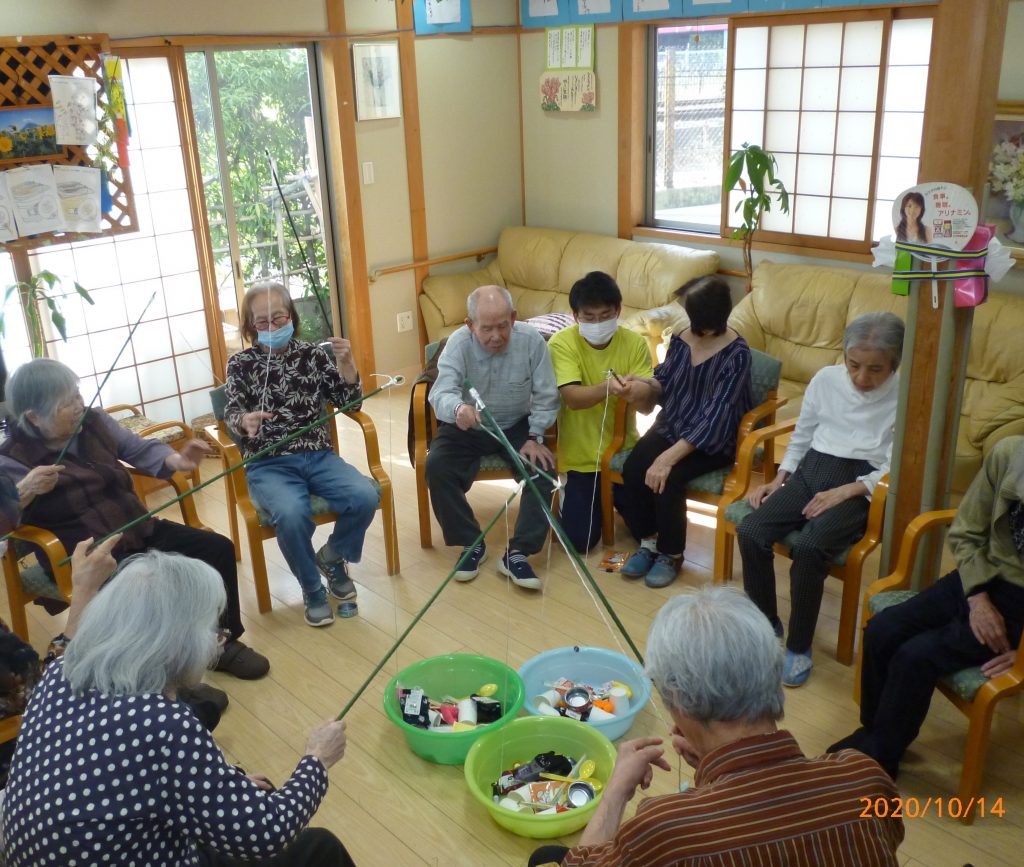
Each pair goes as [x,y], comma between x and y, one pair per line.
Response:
[514,565]
[318,609]
[470,567]
[336,573]
[796,668]
[664,571]
[639,564]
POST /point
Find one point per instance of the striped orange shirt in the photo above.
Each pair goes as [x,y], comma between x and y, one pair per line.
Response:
[760,801]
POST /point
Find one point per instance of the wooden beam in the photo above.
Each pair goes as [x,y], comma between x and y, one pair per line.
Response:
[956,142]
[413,150]
[340,116]
[632,126]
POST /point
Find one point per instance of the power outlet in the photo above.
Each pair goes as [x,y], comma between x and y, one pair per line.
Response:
[405,321]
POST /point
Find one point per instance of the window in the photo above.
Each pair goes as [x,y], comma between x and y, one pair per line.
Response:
[838,98]
[687,72]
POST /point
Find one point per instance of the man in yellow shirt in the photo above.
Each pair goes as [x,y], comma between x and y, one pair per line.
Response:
[586,358]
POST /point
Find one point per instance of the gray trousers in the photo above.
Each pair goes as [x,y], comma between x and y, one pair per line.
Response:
[452,464]
[820,541]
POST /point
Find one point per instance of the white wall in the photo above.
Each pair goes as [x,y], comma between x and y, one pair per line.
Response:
[124,18]
[572,157]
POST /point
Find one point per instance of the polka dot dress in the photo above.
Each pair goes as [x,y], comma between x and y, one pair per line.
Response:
[137,780]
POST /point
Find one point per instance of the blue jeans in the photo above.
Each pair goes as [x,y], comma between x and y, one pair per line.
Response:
[282,485]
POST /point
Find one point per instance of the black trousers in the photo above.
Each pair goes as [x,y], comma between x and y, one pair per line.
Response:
[548,855]
[313,847]
[821,540]
[909,647]
[647,513]
[580,508]
[211,548]
[452,464]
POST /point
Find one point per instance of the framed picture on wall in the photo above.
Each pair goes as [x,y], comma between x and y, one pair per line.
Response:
[1003,202]
[378,82]
[27,133]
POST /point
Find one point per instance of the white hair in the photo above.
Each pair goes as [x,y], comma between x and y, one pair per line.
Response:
[876,332]
[152,628]
[40,386]
[713,655]
[473,300]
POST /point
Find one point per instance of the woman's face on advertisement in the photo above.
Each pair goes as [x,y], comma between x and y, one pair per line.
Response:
[911,210]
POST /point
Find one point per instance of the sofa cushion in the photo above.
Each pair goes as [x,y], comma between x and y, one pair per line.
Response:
[529,259]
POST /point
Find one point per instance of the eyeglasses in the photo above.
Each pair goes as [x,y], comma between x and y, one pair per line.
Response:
[277,321]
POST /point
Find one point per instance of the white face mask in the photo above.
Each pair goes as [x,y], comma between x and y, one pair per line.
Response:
[599,333]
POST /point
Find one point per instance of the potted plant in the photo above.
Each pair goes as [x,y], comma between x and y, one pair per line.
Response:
[43,287]
[753,170]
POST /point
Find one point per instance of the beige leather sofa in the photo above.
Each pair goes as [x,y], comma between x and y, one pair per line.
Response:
[797,313]
[539,266]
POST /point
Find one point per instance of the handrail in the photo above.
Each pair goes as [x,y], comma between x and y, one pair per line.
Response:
[376,273]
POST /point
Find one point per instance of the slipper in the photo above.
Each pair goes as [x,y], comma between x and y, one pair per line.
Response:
[242,661]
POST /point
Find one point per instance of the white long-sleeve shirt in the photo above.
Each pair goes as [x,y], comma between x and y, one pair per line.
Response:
[839,420]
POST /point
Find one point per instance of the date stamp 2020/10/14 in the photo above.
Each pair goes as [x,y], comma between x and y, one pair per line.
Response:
[918,808]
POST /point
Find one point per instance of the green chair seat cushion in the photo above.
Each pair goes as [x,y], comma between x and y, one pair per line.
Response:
[318,506]
[709,483]
[35,580]
[736,512]
[966,682]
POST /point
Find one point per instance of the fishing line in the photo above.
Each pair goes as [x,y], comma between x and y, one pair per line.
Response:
[262,452]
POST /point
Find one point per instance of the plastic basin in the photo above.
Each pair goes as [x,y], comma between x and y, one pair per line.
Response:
[458,675]
[521,740]
[593,665]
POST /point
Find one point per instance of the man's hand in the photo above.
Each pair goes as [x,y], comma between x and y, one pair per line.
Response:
[90,569]
[38,481]
[635,765]
[251,422]
[987,623]
[631,388]
[466,417]
[188,458]
[763,492]
[1000,664]
[538,454]
[342,349]
[825,500]
[657,473]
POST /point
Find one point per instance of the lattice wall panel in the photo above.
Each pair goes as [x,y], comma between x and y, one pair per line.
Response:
[24,67]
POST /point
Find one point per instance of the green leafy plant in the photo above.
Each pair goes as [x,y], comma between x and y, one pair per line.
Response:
[44,288]
[753,170]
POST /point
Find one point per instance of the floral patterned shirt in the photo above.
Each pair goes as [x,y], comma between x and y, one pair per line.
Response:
[293,385]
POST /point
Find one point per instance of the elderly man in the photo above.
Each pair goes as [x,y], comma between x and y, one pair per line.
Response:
[507,362]
[756,798]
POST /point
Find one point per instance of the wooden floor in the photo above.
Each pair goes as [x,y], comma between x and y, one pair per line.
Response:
[392,808]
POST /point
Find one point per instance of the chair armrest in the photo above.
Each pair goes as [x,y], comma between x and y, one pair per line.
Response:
[422,419]
[370,441]
[9,726]
[122,407]
[738,482]
[219,438]
[186,431]
[622,411]
[899,578]
[759,413]
[54,551]
[872,530]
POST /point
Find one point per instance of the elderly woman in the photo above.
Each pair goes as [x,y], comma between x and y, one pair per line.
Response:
[274,388]
[974,616]
[109,761]
[703,387]
[756,799]
[840,449]
[90,494]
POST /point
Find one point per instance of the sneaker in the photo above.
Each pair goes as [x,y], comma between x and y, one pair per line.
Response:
[664,571]
[796,668]
[336,573]
[318,609]
[639,564]
[514,565]
[470,567]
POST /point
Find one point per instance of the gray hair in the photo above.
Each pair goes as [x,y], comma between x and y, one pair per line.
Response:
[713,656]
[40,386]
[876,331]
[152,628]
[474,297]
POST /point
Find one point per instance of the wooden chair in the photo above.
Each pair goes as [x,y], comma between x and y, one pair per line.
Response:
[709,488]
[970,691]
[847,567]
[257,521]
[492,467]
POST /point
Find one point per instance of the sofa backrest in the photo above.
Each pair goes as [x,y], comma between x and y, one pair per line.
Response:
[539,267]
